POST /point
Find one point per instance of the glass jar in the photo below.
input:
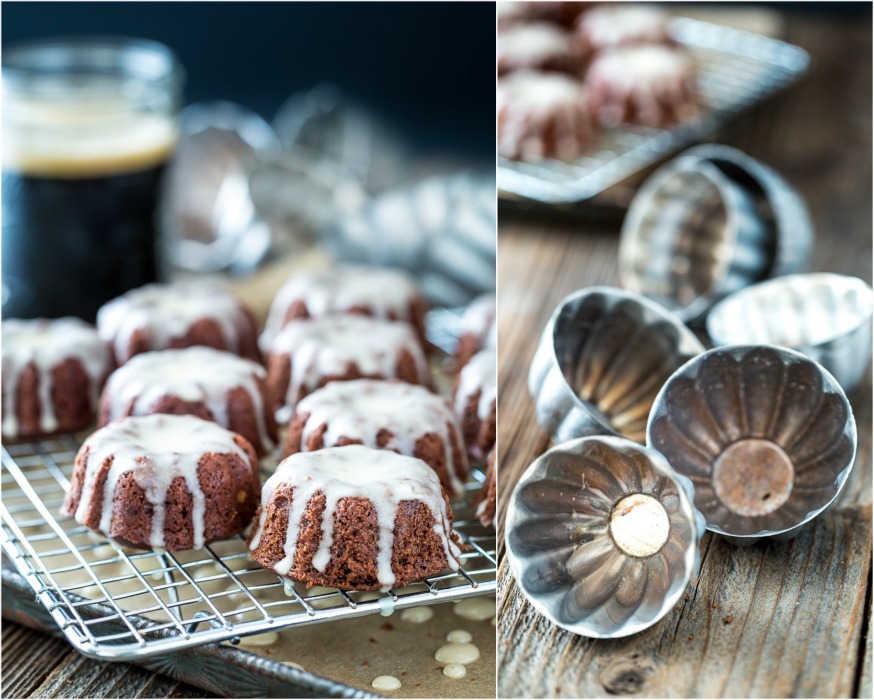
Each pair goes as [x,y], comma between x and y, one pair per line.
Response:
[88,127]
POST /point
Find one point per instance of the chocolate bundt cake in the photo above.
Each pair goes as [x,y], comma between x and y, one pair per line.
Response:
[475,402]
[653,85]
[354,518]
[486,500]
[52,374]
[407,419]
[478,329]
[164,482]
[563,13]
[158,317]
[309,353]
[544,115]
[538,46]
[611,26]
[198,381]
[380,292]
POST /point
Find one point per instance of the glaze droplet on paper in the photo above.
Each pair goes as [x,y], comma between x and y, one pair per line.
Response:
[417,615]
[478,609]
[457,654]
[386,683]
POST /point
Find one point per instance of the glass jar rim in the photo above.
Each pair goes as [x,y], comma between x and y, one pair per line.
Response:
[26,62]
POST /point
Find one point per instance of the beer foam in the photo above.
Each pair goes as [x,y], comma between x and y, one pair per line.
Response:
[83,138]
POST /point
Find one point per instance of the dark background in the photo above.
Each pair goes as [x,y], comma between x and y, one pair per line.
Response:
[427,67]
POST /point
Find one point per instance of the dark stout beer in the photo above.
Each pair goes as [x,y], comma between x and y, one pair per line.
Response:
[82,166]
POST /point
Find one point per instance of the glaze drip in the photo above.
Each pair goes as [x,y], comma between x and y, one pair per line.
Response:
[478,374]
[197,374]
[167,312]
[325,347]
[382,477]
[479,320]
[359,410]
[156,449]
[383,292]
[45,344]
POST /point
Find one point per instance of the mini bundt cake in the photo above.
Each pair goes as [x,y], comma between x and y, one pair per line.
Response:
[486,500]
[544,115]
[652,85]
[164,482]
[354,518]
[198,381]
[563,13]
[52,374]
[538,46]
[611,26]
[388,415]
[478,329]
[309,353]
[380,292]
[475,402]
[158,317]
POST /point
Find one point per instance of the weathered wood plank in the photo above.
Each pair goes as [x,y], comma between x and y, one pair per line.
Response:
[36,665]
[796,609]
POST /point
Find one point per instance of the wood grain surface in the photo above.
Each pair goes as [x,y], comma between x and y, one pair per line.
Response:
[38,666]
[775,619]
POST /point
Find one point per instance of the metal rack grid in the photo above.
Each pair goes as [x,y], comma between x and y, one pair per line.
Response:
[112,602]
[736,69]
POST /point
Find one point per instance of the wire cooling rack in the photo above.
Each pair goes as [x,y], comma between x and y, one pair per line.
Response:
[736,69]
[115,603]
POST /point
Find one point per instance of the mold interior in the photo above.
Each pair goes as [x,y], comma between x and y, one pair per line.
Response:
[753,477]
[683,238]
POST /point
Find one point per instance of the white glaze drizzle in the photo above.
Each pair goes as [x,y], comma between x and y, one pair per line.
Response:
[192,374]
[524,45]
[323,347]
[611,26]
[530,102]
[165,312]
[383,292]
[157,449]
[384,478]
[649,70]
[46,344]
[479,373]
[479,320]
[359,409]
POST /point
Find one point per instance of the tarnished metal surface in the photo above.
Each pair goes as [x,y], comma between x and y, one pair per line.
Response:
[824,316]
[765,434]
[601,361]
[602,536]
[707,224]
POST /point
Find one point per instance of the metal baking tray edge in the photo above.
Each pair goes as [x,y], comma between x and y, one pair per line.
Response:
[218,668]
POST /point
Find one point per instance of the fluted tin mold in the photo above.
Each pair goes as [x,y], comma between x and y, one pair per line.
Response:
[602,359]
[708,223]
[765,434]
[824,316]
[602,536]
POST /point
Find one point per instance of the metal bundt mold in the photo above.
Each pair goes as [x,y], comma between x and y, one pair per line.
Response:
[765,434]
[824,316]
[602,536]
[602,359]
[708,223]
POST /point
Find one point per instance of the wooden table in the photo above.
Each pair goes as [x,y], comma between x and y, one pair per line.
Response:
[797,610]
